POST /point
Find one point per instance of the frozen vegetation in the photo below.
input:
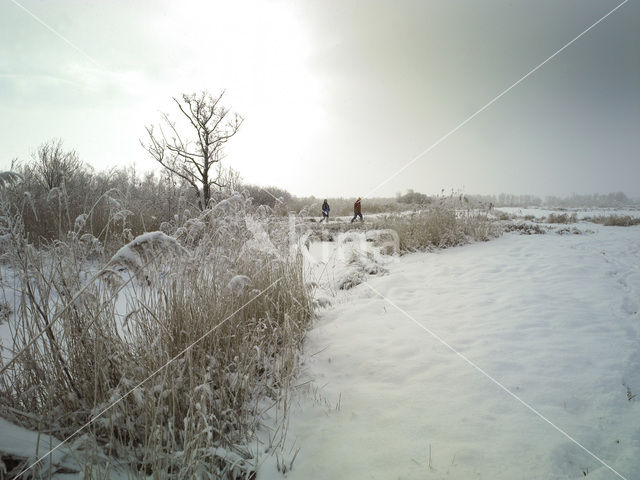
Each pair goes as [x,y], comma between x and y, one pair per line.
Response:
[495,360]
[175,351]
[159,360]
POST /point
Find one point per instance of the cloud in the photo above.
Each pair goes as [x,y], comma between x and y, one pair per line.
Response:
[337,95]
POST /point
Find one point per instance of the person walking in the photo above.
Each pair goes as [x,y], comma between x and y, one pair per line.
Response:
[357,211]
[325,211]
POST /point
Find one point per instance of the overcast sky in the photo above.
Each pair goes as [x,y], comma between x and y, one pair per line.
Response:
[339,95]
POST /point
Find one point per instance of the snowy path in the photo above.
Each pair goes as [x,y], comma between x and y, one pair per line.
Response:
[553,318]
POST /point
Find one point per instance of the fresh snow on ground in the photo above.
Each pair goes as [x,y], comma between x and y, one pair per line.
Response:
[49,458]
[553,318]
[21,442]
[541,213]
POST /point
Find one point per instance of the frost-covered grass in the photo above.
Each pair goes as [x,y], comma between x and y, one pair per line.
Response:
[615,220]
[582,214]
[552,318]
[446,223]
[562,218]
[172,349]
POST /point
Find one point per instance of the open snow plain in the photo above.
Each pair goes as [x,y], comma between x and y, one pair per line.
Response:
[442,365]
[551,318]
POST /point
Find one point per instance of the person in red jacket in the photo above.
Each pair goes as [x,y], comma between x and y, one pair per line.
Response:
[357,211]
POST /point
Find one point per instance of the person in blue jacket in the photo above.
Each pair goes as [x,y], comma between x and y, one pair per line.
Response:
[325,211]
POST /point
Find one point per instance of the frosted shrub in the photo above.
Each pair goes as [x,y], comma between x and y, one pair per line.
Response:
[147,252]
[447,222]
[113,201]
[169,347]
[562,218]
[615,220]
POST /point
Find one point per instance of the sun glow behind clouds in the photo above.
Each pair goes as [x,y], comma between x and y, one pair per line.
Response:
[337,95]
[258,52]
[147,53]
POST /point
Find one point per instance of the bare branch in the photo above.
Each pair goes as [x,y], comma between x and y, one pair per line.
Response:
[191,156]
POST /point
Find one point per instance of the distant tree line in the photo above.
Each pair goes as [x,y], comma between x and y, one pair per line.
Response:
[508,200]
[57,194]
[617,199]
[414,198]
[269,196]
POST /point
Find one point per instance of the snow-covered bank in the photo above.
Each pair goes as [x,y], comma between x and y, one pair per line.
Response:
[553,318]
[165,358]
[21,449]
[581,213]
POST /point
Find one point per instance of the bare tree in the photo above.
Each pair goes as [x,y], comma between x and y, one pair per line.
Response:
[52,165]
[191,157]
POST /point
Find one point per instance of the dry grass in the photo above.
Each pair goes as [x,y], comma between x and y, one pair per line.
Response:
[178,345]
[117,204]
[524,228]
[562,218]
[615,220]
[448,222]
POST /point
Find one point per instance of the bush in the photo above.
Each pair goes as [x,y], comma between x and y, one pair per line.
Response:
[615,220]
[190,329]
[445,224]
[414,198]
[269,196]
[524,228]
[562,218]
[117,204]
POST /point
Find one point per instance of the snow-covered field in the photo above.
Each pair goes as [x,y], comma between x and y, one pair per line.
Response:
[540,212]
[404,369]
[552,318]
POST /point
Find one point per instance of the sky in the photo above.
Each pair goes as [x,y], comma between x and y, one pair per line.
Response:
[340,97]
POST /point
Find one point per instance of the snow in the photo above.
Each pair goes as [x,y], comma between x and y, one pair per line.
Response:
[131,252]
[581,213]
[80,222]
[344,261]
[22,443]
[228,204]
[553,318]
[65,460]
